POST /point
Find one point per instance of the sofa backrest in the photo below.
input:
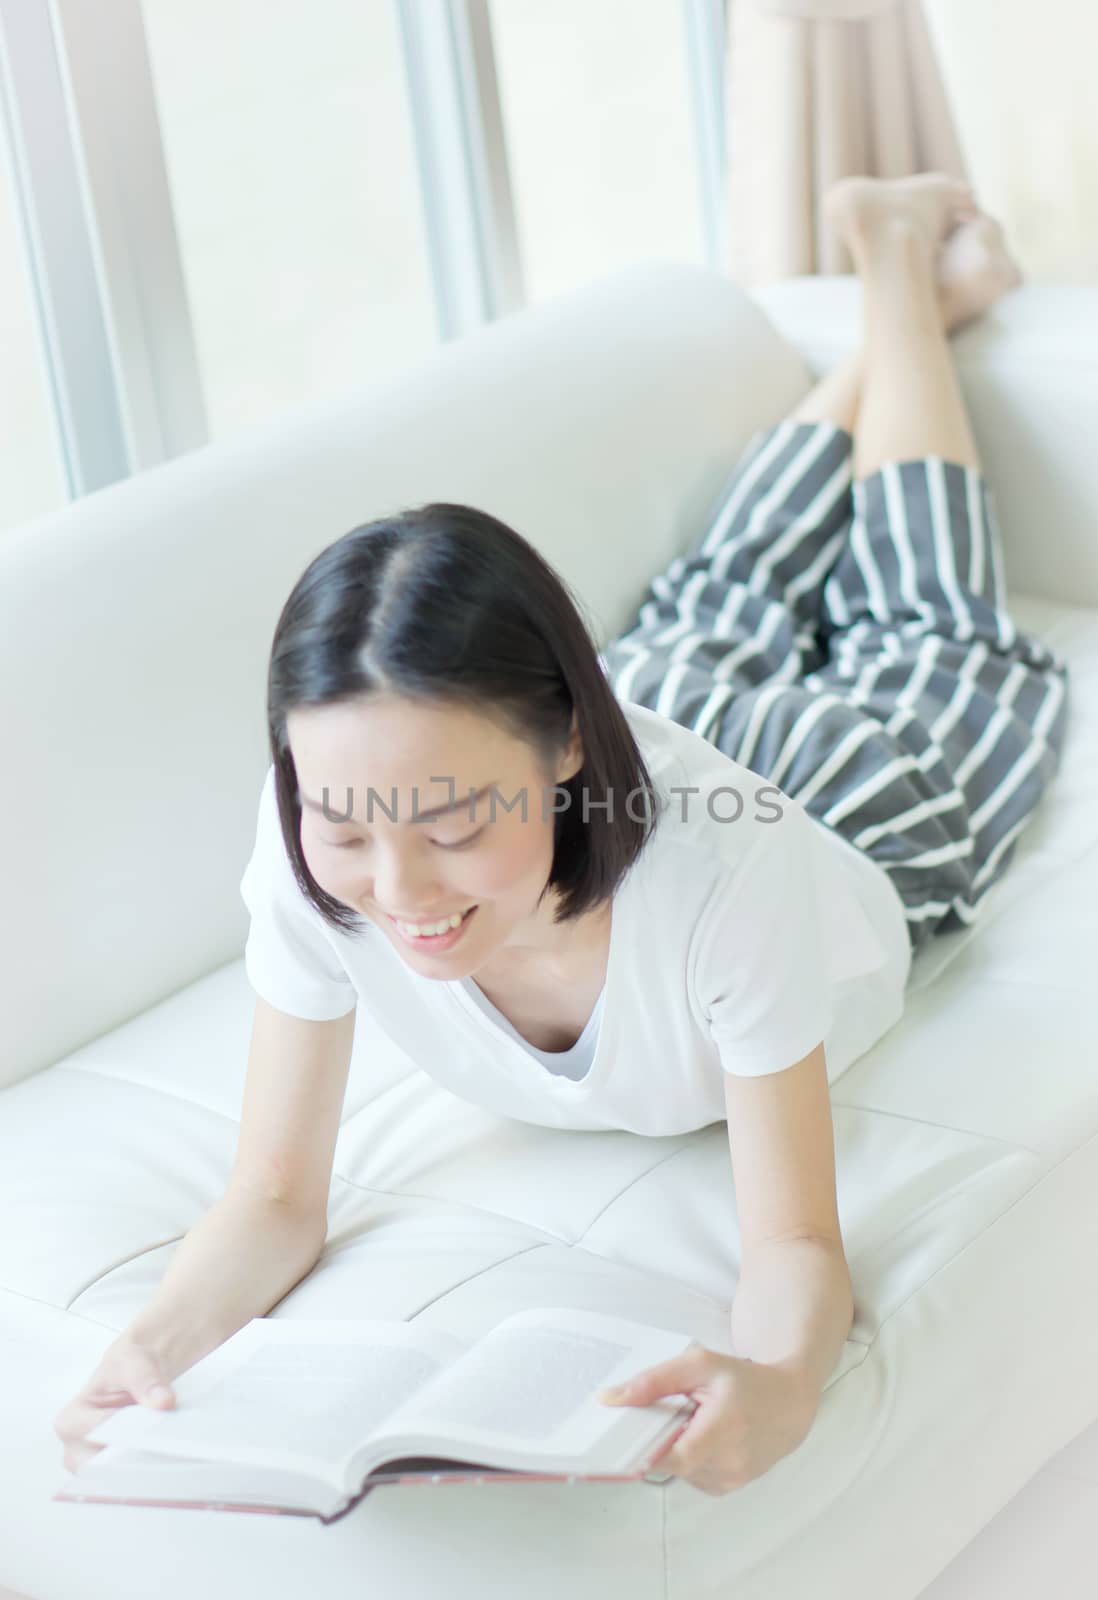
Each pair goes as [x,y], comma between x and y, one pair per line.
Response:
[135,624]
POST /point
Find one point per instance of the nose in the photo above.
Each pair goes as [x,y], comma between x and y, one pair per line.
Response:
[403,881]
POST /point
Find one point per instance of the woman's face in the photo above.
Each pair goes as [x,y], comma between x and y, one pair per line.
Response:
[416,850]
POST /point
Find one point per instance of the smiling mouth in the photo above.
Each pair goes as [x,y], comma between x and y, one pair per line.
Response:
[433,941]
[426,922]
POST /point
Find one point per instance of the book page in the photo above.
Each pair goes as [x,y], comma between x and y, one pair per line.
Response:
[141,1477]
[529,1384]
[289,1396]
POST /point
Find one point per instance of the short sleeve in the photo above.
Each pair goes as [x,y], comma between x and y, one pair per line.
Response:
[762,970]
[289,956]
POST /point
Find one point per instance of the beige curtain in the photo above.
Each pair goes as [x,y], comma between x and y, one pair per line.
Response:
[819,90]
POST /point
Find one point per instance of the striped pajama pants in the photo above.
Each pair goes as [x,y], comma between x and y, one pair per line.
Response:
[848,639]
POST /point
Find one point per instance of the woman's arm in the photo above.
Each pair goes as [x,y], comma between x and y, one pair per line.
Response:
[794,1304]
[255,1243]
[268,1229]
[238,1260]
[793,1309]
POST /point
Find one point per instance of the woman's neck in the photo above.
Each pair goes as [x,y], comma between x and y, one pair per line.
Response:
[555,950]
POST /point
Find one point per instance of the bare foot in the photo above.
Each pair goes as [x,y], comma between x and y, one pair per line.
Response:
[931,204]
[974,269]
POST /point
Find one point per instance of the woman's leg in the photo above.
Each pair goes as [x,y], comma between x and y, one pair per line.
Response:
[973,268]
[837,396]
[911,403]
[743,607]
[937,723]
[931,732]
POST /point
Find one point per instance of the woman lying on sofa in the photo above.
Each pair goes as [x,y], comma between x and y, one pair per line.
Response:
[676,884]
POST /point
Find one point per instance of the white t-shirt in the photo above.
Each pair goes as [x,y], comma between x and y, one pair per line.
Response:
[574,1062]
[735,946]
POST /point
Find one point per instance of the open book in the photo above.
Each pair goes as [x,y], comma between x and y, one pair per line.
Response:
[306,1417]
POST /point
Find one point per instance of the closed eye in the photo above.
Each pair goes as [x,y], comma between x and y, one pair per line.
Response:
[462,843]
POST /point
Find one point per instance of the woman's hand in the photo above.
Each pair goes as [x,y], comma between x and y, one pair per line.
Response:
[128,1373]
[748,1416]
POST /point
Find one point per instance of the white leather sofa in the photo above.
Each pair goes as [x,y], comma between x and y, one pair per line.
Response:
[133,639]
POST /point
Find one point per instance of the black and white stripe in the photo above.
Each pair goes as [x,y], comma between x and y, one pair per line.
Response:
[849,639]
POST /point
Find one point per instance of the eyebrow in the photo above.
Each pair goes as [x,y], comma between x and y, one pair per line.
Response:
[420,816]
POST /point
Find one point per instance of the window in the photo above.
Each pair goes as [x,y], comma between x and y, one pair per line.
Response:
[1019,86]
[241,207]
[31,480]
[296,198]
[600,140]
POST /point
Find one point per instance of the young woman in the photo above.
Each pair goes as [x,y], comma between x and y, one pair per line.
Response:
[677,884]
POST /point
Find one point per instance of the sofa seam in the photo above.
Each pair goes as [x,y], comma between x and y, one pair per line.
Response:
[832,352]
[473,1276]
[134,1083]
[398,1194]
[864,1466]
[411,1194]
[52,1305]
[678,1283]
[123,1261]
[968,1244]
[943,1127]
[552,1239]
[559,1238]
[66,1065]
[1031,983]
[671,1154]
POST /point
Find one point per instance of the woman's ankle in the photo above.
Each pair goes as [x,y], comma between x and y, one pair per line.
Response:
[892,239]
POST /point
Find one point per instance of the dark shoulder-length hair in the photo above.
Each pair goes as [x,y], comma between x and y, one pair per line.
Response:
[446,603]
